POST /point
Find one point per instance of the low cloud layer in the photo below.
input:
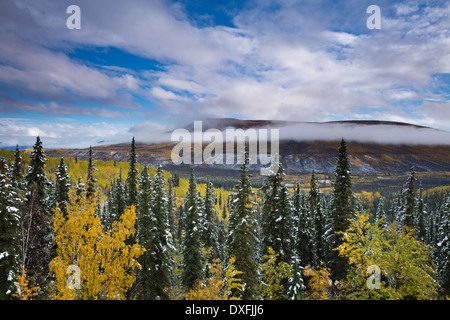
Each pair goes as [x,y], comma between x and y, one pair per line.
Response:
[384,134]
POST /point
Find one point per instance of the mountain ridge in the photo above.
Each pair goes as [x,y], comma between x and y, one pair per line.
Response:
[297,154]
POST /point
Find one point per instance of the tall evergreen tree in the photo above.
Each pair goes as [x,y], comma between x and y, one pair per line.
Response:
[90,181]
[36,220]
[421,215]
[36,174]
[313,194]
[277,223]
[210,235]
[242,240]
[319,233]
[145,226]
[341,210]
[143,202]
[303,232]
[17,169]
[9,228]
[117,200]
[62,185]
[79,188]
[443,248]
[132,178]
[161,243]
[408,215]
[192,255]
[380,214]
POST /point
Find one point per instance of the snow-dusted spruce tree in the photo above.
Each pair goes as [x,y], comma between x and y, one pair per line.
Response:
[61,187]
[9,227]
[277,222]
[408,212]
[421,218]
[90,180]
[320,247]
[132,177]
[143,203]
[79,189]
[115,203]
[443,248]
[318,222]
[161,244]
[173,221]
[210,218]
[341,210]
[192,255]
[303,237]
[242,240]
[145,224]
[296,287]
[36,220]
[313,196]
[379,213]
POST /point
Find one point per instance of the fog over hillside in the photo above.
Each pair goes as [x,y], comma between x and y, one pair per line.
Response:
[383,132]
[376,133]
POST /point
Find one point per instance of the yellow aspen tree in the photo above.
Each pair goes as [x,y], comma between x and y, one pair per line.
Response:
[103,262]
[385,263]
[273,273]
[23,292]
[216,287]
[319,285]
[231,282]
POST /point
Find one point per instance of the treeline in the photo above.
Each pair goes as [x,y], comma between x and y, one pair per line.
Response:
[137,239]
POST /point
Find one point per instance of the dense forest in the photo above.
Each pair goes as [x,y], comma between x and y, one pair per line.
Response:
[72,229]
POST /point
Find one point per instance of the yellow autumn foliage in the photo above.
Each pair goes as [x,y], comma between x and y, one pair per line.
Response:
[23,291]
[216,287]
[319,285]
[104,261]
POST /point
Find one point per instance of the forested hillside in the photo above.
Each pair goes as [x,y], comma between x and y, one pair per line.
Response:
[94,229]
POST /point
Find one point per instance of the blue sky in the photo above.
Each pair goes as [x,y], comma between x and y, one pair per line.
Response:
[141,68]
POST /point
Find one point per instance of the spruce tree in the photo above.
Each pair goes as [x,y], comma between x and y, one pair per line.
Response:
[143,201]
[421,215]
[161,244]
[145,226]
[79,189]
[210,234]
[17,168]
[36,174]
[277,222]
[192,255]
[117,200]
[341,210]
[36,220]
[173,221]
[242,240]
[9,228]
[62,185]
[443,248]
[319,234]
[408,214]
[379,214]
[303,233]
[132,178]
[313,194]
[90,181]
